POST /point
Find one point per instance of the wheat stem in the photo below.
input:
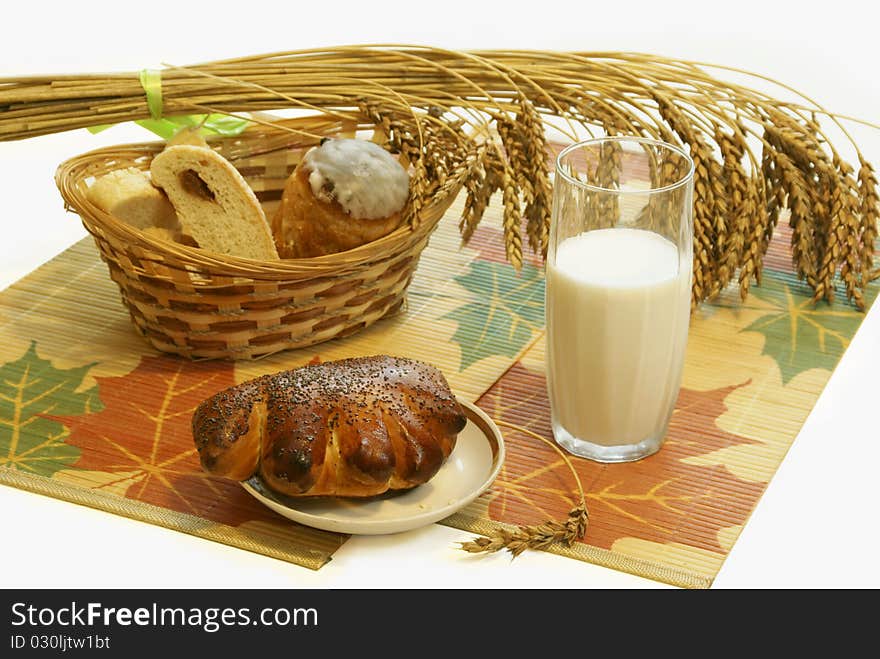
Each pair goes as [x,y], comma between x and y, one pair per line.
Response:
[538,536]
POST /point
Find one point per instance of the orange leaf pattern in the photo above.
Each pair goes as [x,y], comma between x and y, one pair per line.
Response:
[143,434]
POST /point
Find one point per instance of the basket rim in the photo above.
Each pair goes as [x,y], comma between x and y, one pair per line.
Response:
[72,171]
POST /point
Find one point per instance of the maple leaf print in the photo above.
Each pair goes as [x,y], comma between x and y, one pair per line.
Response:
[649,499]
[144,435]
[800,334]
[31,389]
[506,311]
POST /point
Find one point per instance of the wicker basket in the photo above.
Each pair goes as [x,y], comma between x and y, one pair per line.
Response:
[204,305]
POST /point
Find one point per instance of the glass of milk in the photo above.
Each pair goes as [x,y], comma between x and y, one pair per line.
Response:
[618,294]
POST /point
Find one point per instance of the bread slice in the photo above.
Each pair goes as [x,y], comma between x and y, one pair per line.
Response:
[214,203]
[128,195]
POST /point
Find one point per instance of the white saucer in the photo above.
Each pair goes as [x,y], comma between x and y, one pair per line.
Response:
[467,473]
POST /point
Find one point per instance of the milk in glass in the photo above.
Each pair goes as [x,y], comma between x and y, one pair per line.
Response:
[618,302]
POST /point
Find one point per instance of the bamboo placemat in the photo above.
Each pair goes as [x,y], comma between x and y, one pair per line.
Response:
[90,413]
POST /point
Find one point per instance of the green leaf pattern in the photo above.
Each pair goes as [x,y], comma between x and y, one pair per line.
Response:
[800,334]
[505,312]
[32,390]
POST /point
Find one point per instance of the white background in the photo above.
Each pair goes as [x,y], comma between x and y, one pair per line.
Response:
[817,523]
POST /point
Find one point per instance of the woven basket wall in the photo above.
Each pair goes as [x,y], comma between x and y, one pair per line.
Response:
[202,305]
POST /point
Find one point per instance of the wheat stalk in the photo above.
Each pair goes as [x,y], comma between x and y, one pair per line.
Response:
[433,105]
[539,536]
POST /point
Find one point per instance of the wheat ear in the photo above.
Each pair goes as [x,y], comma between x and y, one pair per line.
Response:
[539,536]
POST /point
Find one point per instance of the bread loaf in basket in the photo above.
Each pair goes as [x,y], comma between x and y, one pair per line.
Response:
[200,304]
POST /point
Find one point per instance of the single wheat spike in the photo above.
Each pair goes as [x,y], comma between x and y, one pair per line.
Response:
[512,220]
[869,210]
[833,201]
[737,220]
[849,234]
[803,250]
[704,209]
[417,194]
[720,228]
[539,536]
[820,203]
[755,211]
[704,203]
[608,177]
[474,205]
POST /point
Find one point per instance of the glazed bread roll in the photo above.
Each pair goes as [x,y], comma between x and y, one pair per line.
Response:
[354,427]
[344,193]
[214,203]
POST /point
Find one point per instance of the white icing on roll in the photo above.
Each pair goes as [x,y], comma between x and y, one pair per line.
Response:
[361,176]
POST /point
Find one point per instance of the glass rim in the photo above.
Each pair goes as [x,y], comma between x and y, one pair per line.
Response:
[622,138]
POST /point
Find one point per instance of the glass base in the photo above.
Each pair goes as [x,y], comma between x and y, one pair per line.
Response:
[603,453]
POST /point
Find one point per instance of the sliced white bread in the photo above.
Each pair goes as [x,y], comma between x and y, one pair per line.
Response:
[214,204]
[128,195]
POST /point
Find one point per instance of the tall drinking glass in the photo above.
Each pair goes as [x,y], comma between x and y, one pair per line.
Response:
[618,294]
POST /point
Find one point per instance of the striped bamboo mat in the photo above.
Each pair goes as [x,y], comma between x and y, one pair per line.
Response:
[91,414]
